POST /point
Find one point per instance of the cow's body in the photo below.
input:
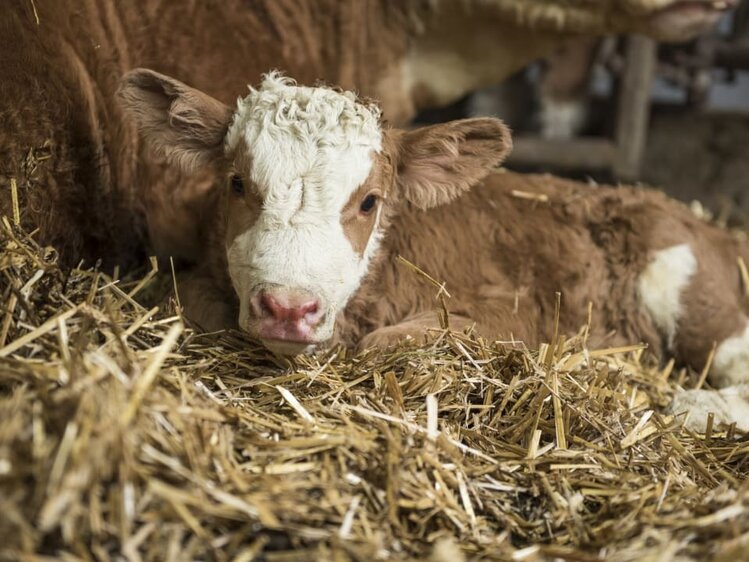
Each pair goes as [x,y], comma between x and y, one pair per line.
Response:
[320,200]
[93,193]
[652,271]
[82,178]
[508,246]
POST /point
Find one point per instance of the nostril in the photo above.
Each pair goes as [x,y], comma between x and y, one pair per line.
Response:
[310,307]
[268,305]
[283,308]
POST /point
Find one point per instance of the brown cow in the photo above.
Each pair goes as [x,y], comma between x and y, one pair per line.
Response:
[80,176]
[320,198]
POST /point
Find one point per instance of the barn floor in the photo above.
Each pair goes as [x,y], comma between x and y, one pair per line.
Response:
[125,436]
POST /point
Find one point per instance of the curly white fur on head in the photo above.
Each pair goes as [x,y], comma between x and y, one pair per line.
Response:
[310,148]
[316,114]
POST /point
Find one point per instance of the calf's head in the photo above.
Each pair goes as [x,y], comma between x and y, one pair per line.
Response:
[310,177]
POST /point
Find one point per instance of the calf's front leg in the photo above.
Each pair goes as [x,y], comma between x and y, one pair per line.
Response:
[415,327]
[205,305]
[728,405]
[730,373]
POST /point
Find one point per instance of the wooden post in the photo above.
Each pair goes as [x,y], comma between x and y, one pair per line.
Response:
[633,113]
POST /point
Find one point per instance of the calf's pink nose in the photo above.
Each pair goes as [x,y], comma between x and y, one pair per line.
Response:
[288,308]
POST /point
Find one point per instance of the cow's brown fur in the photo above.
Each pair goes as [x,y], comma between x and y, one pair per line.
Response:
[85,183]
[96,195]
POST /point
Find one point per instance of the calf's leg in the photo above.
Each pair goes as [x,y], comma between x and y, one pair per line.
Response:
[728,405]
[693,294]
[204,304]
[415,326]
[730,373]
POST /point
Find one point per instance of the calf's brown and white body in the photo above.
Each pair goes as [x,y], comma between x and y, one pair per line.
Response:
[320,199]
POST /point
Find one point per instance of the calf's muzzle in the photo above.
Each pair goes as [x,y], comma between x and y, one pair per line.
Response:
[286,315]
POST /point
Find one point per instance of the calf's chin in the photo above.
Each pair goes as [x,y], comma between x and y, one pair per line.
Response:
[288,349]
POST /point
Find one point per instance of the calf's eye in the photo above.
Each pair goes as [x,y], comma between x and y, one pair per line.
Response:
[237,187]
[368,204]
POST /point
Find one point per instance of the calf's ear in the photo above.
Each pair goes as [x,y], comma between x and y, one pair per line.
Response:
[437,164]
[178,122]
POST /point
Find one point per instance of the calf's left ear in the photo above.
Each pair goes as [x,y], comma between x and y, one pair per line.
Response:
[437,164]
[178,122]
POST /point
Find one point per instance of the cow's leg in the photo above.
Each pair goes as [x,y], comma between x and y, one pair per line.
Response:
[416,327]
[564,88]
[728,405]
[205,305]
[730,374]
[693,294]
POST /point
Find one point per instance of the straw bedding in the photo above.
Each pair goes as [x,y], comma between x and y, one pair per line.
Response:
[124,435]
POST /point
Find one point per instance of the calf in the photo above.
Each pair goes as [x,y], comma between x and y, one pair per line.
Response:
[320,198]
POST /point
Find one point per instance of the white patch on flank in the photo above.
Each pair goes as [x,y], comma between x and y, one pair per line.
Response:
[311,149]
[731,362]
[661,284]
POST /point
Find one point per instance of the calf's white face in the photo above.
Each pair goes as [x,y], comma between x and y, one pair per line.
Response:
[302,154]
[310,174]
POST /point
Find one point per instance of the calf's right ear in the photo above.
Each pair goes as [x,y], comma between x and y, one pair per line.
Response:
[439,163]
[178,122]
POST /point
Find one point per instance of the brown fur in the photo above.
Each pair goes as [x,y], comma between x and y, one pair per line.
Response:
[503,258]
[356,226]
[84,181]
[504,247]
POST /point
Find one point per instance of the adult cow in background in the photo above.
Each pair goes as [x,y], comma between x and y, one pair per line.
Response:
[74,169]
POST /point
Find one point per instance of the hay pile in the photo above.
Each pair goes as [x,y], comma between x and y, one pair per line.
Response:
[124,435]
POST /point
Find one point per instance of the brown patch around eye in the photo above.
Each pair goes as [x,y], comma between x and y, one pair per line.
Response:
[359,216]
[243,203]
[357,224]
[242,211]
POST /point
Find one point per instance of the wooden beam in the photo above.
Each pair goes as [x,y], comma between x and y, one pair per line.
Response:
[732,55]
[580,153]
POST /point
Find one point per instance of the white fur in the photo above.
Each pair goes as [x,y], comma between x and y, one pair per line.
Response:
[730,369]
[661,284]
[562,119]
[729,405]
[731,363]
[311,149]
